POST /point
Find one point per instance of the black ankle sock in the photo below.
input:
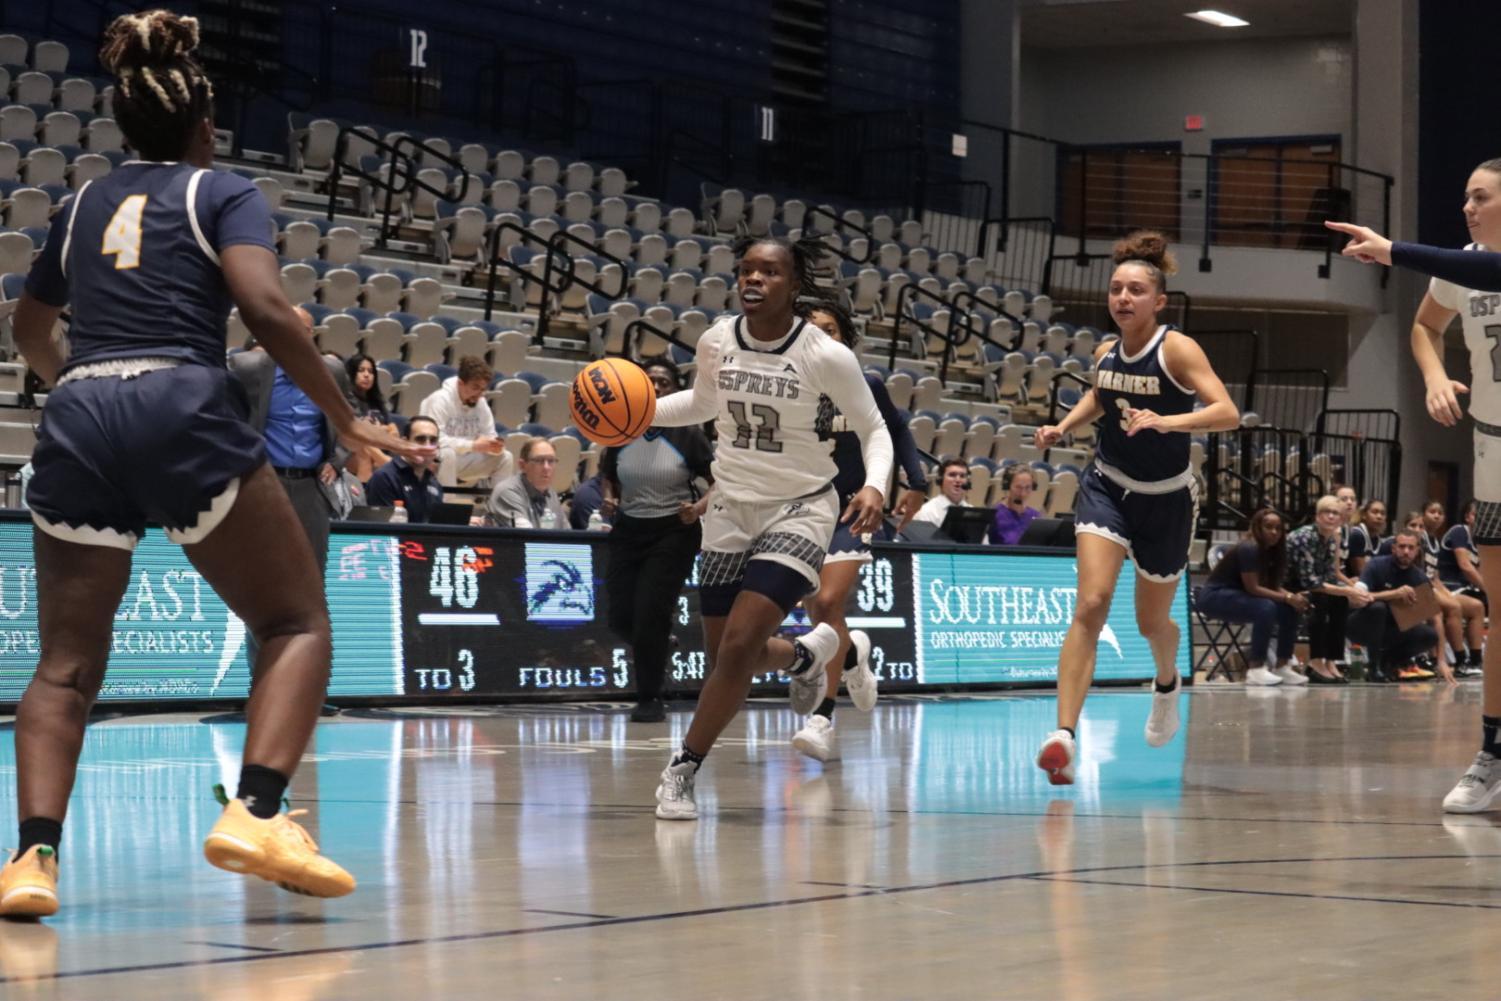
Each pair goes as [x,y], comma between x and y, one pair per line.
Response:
[850,658]
[1070,731]
[802,658]
[686,755]
[262,789]
[39,831]
[1477,658]
[825,709]
[1489,725]
[1158,686]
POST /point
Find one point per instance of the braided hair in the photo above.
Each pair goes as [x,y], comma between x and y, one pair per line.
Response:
[807,264]
[161,93]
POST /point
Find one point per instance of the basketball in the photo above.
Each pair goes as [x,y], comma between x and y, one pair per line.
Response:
[613,401]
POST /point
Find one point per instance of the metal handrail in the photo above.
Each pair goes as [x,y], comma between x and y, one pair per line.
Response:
[1058,377]
[492,252]
[563,236]
[911,291]
[558,262]
[979,304]
[340,168]
[452,161]
[401,178]
[640,323]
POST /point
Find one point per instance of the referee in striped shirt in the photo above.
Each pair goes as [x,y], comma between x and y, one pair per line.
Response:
[651,486]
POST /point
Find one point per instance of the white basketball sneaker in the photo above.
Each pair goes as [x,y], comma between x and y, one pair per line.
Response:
[675,793]
[1260,676]
[860,681]
[1290,676]
[817,739]
[806,690]
[1056,757]
[1477,788]
[1162,722]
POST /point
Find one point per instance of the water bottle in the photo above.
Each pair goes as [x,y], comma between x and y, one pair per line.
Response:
[597,521]
[399,513]
[1359,662]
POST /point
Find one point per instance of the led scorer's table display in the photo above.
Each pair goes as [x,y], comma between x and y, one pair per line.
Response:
[426,613]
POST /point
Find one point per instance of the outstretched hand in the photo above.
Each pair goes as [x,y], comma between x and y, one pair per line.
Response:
[1366,245]
[362,434]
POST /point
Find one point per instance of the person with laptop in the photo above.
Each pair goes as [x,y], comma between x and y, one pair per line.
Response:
[1014,514]
[953,483]
[414,482]
[1400,625]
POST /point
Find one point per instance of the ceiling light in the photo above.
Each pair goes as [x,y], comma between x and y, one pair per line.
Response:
[1218,18]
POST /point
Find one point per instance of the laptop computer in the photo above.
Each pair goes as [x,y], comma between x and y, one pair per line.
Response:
[437,514]
[1055,532]
[376,514]
[450,514]
[966,524]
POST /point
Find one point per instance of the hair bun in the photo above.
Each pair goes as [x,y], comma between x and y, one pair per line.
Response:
[150,38]
[1147,245]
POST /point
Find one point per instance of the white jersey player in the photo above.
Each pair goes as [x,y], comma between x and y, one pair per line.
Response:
[768,527]
[1468,284]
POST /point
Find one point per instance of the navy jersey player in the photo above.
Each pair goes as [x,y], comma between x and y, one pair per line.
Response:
[143,425]
[1138,496]
[848,552]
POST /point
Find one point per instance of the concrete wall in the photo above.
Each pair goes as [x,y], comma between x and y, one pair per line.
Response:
[1256,88]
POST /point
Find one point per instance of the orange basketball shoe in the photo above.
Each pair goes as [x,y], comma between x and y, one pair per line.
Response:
[277,850]
[28,884]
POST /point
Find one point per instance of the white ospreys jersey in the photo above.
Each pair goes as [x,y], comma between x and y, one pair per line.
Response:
[1480,312]
[763,397]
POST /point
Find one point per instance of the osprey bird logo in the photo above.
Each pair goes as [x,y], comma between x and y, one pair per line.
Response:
[563,590]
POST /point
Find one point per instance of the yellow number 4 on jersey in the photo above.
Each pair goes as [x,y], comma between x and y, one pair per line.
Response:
[122,237]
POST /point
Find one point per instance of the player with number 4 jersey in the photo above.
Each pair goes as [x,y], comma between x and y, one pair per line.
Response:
[144,424]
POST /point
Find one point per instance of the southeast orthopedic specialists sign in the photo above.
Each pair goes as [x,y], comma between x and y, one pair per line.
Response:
[979,618]
[174,639]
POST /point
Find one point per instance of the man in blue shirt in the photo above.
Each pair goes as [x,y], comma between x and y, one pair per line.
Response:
[300,443]
[411,481]
[1395,580]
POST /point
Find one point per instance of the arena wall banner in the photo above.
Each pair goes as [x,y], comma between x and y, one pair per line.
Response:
[427,614]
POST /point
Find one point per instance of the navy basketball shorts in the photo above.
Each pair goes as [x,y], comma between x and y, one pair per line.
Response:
[846,546]
[1154,528]
[168,446]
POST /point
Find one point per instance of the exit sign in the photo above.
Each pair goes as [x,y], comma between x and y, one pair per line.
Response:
[1193,123]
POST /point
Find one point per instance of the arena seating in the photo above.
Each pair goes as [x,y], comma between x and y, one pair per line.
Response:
[415,301]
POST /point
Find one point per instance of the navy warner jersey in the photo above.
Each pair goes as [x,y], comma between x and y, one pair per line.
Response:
[136,254]
[1140,382]
[849,459]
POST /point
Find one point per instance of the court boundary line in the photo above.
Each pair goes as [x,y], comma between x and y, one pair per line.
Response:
[503,933]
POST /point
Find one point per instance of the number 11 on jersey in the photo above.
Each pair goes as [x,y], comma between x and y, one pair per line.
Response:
[122,237]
